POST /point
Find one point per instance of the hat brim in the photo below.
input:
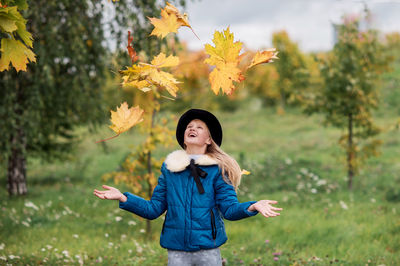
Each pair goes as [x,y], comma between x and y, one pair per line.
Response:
[208,118]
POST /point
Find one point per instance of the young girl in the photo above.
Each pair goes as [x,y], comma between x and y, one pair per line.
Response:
[197,188]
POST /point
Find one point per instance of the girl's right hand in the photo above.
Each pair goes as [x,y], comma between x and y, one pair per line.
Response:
[111,193]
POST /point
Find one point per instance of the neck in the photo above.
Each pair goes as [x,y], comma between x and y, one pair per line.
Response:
[196,149]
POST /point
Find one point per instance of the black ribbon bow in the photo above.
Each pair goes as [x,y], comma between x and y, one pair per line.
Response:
[196,172]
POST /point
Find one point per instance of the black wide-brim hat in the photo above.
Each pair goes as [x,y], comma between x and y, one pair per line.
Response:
[208,118]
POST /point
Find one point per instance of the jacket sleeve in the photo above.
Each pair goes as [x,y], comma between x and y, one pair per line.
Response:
[149,209]
[227,201]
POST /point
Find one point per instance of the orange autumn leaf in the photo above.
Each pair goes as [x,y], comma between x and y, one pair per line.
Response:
[183,20]
[171,20]
[131,50]
[263,57]
[225,56]
[167,24]
[125,118]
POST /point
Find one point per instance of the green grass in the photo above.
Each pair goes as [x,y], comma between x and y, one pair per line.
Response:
[61,222]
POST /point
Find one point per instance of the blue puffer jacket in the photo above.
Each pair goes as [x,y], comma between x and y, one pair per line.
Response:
[193,220]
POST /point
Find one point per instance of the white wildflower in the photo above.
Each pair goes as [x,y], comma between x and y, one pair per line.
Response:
[321,182]
[106,235]
[118,218]
[2,245]
[110,244]
[288,161]
[313,190]
[31,205]
[304,171]
[65,253]
[130,251]
[142,231]
[373,200]
[43,249]
[131,223]
[3,258]
[75,236]
[25,223]
[343,205]
[100,259]
[11,257]
[49,247]
[123,236]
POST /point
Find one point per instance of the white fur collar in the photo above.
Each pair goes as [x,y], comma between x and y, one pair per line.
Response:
[178,160]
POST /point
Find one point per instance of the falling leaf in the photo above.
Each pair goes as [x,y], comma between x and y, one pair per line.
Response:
[223,76]
[171,20]
[167,24]
[143,75]
[245,172]
[183,20]
[162,61]
[131,51]
[264,57]
[14,52]
[225,57]
[125,118]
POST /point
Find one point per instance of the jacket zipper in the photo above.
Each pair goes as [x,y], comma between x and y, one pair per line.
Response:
[213,227]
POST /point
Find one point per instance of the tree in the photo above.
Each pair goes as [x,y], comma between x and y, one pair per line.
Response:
[291,68]
[350,92]
[39,108]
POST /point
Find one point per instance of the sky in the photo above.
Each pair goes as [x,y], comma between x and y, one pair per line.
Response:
[308,22]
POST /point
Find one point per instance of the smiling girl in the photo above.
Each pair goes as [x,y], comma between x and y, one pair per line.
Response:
[197,189]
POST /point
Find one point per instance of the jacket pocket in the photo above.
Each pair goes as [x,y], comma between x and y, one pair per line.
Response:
[213,227]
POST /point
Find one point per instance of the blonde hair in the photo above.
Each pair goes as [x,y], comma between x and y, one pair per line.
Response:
[229,167]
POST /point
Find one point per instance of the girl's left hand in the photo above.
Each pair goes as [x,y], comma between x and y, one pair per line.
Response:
[264,207]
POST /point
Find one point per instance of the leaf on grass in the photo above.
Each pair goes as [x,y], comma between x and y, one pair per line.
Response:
[263,57]
[125,118]
[14,52]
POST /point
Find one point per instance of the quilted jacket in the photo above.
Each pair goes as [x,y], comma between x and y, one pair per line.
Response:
[193,221]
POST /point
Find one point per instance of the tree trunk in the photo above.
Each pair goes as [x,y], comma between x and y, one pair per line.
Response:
[350,153]
[17,165]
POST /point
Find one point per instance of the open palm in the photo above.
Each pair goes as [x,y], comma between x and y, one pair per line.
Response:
[111,193]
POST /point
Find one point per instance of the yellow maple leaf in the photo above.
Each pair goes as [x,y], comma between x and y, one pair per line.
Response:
[143,75]
[164,79]
[245,172]
[167,24]
[183,20]
[223,76]
[263,57]
[225,57]
[14,52]
[125,118]
[162,61]
[225,50]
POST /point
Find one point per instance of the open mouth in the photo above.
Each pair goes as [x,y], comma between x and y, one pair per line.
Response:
[192,135]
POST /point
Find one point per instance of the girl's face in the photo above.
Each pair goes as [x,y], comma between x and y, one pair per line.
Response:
[197,134]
